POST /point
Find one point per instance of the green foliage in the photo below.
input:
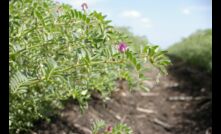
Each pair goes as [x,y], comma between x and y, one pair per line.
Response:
[57,53]
[97,125]
[196,49]
[100,127]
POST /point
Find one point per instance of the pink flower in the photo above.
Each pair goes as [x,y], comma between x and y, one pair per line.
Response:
[109,129]
[122,47]
[84,6]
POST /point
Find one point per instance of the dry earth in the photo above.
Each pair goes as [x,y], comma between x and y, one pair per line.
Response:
[179,104]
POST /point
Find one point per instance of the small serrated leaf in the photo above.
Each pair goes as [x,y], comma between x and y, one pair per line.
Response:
[138,66]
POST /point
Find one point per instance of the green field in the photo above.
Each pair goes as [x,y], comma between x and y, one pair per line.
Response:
[196,50]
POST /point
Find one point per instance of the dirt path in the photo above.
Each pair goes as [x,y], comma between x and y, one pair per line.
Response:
[179,104]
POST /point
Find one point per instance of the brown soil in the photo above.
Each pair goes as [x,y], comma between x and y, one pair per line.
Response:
[179,104]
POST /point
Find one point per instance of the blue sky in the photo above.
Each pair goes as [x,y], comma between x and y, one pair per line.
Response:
[163,22]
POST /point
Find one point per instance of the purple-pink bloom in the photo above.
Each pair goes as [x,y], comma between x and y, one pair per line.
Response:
[109,129]
[122,47]
[84,6]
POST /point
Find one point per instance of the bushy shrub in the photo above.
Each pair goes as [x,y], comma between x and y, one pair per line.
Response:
[57,52]
[196,49]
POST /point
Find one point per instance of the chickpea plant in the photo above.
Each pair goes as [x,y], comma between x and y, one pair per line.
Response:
[100,127]
[57,53]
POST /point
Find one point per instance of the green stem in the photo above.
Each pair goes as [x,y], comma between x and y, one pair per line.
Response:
[92,63]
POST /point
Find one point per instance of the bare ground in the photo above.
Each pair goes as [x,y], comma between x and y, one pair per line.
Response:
[179,104]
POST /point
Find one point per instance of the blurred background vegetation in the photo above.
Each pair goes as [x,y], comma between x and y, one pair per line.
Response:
[135,41]
[195,50]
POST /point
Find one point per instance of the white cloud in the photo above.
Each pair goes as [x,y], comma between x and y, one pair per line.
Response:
[145,20]
[186,11]
[200,8]
[190,9]
[131,14]
[136,18]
